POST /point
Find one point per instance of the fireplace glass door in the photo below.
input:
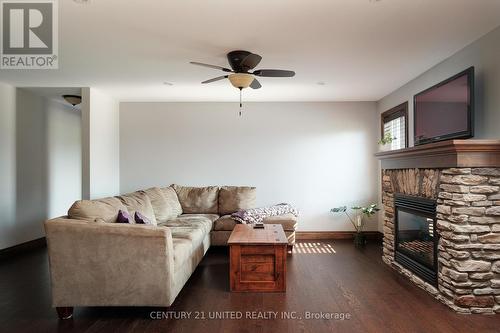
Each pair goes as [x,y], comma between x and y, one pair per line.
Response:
[416,237]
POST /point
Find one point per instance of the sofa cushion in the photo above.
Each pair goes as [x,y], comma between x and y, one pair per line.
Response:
[193,234]
[160,205]
[105,209]
[201,221]
[211,217]
[138,202]
[188,233]
[287,221]
[173,203]
[235,198]
[198,200]
[187,245]
[225,223]
[183,249]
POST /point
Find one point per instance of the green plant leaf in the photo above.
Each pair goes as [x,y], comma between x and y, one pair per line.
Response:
[386,139]
[340,209]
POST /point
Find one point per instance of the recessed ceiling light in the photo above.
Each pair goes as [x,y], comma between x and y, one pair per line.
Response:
[168,83]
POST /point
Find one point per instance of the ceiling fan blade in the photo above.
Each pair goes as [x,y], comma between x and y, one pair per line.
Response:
[250,61]
[273,73]
[211,66]
[255,84]
[216,79]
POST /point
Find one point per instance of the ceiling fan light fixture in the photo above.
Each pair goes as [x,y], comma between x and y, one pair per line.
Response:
[241,80]
[73,99]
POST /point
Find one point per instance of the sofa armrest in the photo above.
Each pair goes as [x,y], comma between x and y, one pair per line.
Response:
[107,264]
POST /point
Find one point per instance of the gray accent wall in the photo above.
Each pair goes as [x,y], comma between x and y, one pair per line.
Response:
[484,55]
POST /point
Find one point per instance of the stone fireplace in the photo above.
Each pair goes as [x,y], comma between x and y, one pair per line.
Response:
[458,241]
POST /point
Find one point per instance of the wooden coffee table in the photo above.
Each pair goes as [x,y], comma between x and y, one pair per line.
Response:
[258,258]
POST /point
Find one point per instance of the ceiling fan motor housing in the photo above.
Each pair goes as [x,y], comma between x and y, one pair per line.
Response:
[235,58]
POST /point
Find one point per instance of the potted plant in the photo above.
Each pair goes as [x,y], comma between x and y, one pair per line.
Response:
[357,220]
[385,142]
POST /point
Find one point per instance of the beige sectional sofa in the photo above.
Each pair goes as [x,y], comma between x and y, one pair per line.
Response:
[95,261]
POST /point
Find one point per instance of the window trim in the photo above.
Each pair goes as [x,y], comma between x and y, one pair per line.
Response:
[398,111]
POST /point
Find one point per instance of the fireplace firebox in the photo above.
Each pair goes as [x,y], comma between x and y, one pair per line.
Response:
[416,238]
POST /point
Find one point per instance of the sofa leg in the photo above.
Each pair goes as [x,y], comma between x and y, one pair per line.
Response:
[289,249]
[65,312]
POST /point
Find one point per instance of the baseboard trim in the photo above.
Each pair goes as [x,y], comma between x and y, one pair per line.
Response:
[23,248]
[325,235]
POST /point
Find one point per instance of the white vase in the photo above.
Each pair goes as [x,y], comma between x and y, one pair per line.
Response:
[359,221]
[385,147]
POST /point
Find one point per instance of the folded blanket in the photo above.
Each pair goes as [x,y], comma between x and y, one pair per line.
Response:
[256,215]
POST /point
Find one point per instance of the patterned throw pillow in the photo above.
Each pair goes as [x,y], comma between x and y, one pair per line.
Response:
[123,217]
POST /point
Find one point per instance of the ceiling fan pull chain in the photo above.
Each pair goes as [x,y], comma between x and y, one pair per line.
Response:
[241,105]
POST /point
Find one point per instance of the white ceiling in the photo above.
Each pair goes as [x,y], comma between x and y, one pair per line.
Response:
[361,49]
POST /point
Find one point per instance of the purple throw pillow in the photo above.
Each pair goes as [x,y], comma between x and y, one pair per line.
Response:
[123,217]
[141,219]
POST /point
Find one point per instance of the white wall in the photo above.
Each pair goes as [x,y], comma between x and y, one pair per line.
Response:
[7,164]
[42,161]
[40,164]
[64,147]
[101,144]
[484,55]
[313,155]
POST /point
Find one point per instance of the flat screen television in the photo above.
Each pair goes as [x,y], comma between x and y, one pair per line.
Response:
[446,110]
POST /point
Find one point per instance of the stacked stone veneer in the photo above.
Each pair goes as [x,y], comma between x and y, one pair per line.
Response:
[468,223]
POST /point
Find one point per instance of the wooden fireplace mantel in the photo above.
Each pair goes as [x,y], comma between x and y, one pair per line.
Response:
[445,154]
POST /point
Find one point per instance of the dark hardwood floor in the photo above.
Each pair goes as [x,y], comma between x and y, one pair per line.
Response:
[328,277]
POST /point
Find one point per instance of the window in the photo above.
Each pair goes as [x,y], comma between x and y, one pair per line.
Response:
[395,123]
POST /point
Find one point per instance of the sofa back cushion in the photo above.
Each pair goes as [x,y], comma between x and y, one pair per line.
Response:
[175,208]
[138,202]
[198,200]
[105,209]
[162,208]
[235,198]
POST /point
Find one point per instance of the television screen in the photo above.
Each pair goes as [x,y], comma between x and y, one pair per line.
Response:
[445,110]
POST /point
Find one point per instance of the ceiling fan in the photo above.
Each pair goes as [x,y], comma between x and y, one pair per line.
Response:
[241,63]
